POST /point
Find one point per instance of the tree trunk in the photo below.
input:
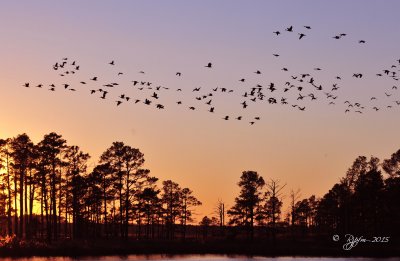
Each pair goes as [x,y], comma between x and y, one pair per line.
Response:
[9,201]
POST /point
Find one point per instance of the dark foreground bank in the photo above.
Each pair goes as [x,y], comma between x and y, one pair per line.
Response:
[316,247]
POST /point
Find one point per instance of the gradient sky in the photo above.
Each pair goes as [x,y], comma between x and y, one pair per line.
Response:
[310,150]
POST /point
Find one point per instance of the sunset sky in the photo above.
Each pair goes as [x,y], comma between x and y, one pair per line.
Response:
[308,149]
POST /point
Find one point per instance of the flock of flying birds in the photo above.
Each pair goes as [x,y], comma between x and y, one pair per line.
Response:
[305,87]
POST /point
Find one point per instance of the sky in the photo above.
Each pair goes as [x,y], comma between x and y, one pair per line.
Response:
[310,149]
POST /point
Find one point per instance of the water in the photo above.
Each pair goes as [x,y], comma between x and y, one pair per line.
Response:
[193,258]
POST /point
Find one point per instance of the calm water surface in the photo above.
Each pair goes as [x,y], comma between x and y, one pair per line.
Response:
[193,258]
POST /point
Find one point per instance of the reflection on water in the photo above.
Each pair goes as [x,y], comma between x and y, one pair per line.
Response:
[193,258]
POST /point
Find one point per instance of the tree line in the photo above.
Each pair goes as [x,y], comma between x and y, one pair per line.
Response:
[47,191]
[364,202]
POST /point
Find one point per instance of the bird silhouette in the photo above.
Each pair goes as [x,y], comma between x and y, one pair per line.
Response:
[104,95]
[289,29]
[111,63]
[277,33]
[209,65]
[301,35]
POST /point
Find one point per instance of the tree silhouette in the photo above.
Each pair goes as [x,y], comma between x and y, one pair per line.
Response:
[187,201]
[171,201]
[332,210]
[118,196]
[149,204]
[125,162]
[220,212]
[368,200]
[102,176]
[5,155]
[243,213]
[392,166]
[76,165]
[21,152]
[273,204]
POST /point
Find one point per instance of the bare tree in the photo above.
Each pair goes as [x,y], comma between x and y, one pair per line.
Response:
[220,212]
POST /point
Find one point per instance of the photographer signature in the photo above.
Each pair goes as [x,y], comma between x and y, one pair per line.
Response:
[352,241]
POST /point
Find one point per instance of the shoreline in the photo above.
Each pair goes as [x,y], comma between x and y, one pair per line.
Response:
[85,248]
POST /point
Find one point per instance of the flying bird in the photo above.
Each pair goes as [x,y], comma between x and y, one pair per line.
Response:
[289,29]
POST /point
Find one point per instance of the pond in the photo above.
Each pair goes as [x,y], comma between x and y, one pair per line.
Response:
[194,258]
